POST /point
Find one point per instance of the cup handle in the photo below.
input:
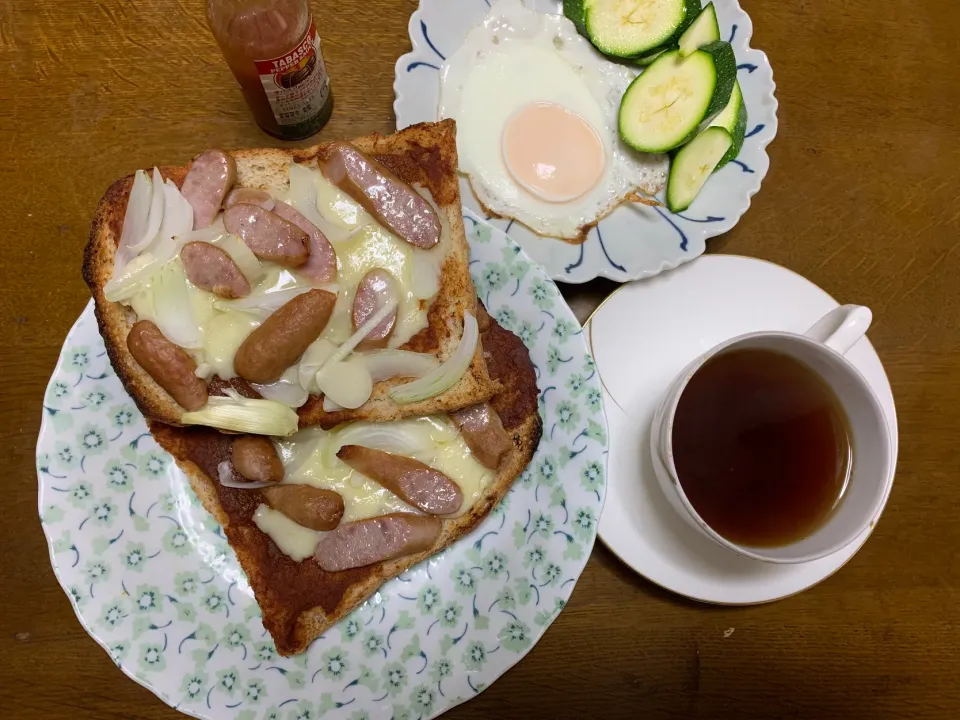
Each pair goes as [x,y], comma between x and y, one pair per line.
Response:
[840,328]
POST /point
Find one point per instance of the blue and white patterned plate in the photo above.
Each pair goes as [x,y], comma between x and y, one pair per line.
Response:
[153,580]
[635,241]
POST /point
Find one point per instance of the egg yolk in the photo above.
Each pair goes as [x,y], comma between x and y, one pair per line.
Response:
[552,152]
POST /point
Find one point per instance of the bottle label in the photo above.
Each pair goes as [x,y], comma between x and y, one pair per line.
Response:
[296,84]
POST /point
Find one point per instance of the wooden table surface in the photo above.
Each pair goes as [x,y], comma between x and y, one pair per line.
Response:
[861,198]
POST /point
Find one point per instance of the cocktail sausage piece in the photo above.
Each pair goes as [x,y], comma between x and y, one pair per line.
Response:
[365,542]
[389,199]
[255,457]
[321,266]
[209,179]
[284,336]
[168,364]
[483,432]
[210,268]
[304,504]
[377,288]
[268,235]
[413,482]
[249,196]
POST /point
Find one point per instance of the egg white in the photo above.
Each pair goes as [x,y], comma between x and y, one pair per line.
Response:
[516,57]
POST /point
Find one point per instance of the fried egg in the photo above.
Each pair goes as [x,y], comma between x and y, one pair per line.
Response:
[536,111]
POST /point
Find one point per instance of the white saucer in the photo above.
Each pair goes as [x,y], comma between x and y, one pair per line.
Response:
[641,337]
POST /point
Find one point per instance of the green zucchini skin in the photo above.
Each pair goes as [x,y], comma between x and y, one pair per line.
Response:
[739,133]
[703,30]
[648,58]
[693,11]
[576,11]
[733,118]
[726,65]
[692,165]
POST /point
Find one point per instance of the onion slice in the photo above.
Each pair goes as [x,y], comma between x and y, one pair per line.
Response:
[303,193]
[297,450]
[360,334]
[155,217]
[312,360]
[173,309]
[330,406]
[400,437]
[137,262]
[286,390]
[133,278]
[213,232]
[448,374]
[243,256]
[262,303]
[225,473]
[347,382]
[386,364]
[135,219]
[177,214]
[239,414]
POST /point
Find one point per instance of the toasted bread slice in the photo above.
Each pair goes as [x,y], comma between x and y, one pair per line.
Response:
[299,601]
[423,155]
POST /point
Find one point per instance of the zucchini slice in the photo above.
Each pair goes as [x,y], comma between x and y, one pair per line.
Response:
[692,165]
[649,57]
[733,119]
[576,10]
[702,31]
[726,64]
[627,28]
[670,101]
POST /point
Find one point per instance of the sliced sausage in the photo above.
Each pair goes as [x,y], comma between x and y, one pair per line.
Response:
[268,235]
[365,542]
[212,269]
[321,266]
[377,288]
[389,199]
[483,432]
[209,179]
[249,196]
[283,337]
[309,506]
[413,482]
[168,364]
[255,457]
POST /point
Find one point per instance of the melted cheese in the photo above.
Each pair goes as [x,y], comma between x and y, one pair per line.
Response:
[338,208]
[310,457]
[369,248]
[223,336]
[226,327]
[295,541]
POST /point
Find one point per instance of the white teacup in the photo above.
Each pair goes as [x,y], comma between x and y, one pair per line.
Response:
[821,349]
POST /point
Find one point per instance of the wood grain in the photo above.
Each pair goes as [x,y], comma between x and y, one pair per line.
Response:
[862,198]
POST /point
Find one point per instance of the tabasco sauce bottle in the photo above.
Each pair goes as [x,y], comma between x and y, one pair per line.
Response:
[273,49]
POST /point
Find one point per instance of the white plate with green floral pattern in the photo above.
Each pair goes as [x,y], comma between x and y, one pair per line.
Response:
[153,580]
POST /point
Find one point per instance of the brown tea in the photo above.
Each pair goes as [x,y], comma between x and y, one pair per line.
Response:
[761,447]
